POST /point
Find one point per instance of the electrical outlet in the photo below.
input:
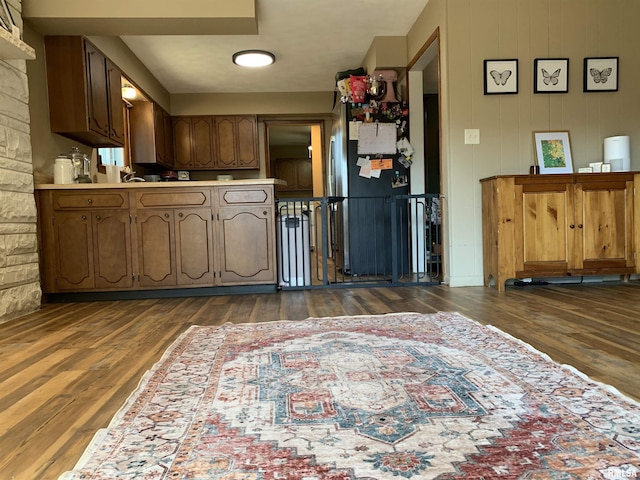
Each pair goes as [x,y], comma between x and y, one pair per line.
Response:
[472,136]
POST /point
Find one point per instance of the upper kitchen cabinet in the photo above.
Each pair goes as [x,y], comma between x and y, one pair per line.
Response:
[213,142]
[85,102]
[237,142]
[151,134]
[195,142]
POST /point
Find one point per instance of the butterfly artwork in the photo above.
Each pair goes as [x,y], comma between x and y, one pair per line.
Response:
[500,76]
[551,75]
[601,74]
[551,78]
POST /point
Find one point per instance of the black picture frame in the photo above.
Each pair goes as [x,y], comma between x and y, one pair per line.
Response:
[551,75]
[501,77]
[601,74]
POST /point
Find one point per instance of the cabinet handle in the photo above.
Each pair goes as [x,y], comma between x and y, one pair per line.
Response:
[84,217]
[579,225]
[166,215]
[264,213]
[89,201]
[572,226]
[181,214]
[98,217]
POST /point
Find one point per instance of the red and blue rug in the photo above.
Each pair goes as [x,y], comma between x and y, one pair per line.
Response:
[370,397]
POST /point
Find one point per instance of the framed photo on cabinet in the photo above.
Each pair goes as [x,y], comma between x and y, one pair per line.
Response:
[601,74]
[553,152]
[551,75]
[500,77]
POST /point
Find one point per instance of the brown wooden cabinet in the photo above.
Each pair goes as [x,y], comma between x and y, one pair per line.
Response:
[213,142]
[246,234]
[195,140]
[150,237]
[151,134]
[558,225]
[237,142]
[297,172]
[174,237]
[86,241]
[85,101]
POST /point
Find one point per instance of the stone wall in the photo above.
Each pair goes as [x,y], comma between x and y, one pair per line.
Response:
[19,275]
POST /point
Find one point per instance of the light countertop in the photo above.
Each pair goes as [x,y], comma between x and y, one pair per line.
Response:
[173,184]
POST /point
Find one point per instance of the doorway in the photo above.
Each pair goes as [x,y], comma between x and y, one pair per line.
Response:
[294,153]
[425,107]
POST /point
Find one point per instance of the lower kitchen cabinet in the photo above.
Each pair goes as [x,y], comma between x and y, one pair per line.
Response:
[146,238]
[156,248]
[194,246]
[85,245]
[559,226]
[246,245]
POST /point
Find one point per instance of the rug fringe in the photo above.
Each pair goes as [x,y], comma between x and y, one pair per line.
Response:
[610,388]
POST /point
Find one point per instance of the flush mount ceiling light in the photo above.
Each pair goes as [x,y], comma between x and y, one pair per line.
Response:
[253,58]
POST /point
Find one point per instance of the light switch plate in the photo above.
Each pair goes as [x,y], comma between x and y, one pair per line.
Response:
[472,136]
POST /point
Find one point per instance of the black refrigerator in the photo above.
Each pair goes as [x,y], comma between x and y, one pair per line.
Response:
[371,218]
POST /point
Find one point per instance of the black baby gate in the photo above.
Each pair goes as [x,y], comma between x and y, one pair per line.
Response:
[358,241]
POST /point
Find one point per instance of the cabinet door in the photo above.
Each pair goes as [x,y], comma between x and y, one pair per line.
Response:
[168,137]
[543,238]
[246,245]
[202,142]
[97,88]
[226,129]
[116,115]
[156,248]
[112,249]
[158,137]
[247,142]
[604,225]
[72,237]
[182,158]
[194,247]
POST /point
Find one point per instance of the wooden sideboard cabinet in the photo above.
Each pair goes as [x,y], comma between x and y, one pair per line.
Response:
[147,237]
[559,226]
[85,99]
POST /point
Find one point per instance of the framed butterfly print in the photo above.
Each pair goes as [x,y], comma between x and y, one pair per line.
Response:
[551,75]
[553,152]
[500,77]
[601,74]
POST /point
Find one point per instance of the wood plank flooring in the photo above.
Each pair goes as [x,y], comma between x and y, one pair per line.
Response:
[66,369]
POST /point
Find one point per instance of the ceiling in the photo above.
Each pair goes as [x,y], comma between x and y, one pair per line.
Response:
[311,39]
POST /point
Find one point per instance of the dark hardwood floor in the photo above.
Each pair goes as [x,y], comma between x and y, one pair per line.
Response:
[67,368]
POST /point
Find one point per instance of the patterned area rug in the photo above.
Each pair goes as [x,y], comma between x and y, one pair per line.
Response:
[370,397]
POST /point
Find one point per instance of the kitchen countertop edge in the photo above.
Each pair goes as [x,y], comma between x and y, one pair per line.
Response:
[175,184]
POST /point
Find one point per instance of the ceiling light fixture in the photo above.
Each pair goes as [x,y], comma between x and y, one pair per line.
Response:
[253,58]
[129,92]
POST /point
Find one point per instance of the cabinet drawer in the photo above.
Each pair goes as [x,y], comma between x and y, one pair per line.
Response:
[170,198]
[90,200]
[236,196]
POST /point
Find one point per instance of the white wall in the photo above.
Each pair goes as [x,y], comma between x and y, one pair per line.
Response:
[474,30]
